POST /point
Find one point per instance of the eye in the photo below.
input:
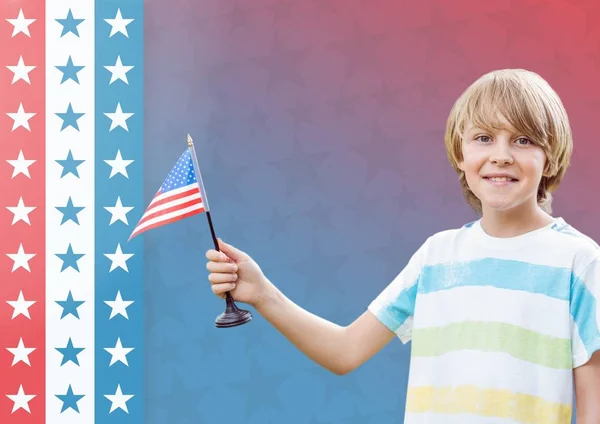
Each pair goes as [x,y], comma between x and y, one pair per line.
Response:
[523,141]
[482,138]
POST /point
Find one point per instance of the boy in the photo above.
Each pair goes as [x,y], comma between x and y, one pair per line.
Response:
[502,312]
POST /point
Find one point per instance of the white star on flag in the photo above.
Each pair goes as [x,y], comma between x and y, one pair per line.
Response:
[118,71]
[20,71]
[119,400]
[20,165]
[118,353]
[118,306]
[20,353]
[118,165]
[21,118]
[20,212]
[21,24]
[118,212]
[118,24]
[20,259]
[118,118]
[118,259]
[21,400]
[20,306]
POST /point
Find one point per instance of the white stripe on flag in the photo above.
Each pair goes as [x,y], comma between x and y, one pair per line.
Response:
[167,216]
[174,192]
[172,203]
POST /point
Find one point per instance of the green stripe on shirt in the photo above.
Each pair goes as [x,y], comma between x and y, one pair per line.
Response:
[521,343]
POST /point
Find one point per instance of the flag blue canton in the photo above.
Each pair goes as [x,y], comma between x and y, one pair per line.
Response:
[181,175]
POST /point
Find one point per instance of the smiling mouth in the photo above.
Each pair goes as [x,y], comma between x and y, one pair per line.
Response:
[500,179]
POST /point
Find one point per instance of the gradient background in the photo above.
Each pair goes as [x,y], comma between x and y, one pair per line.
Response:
[319,131]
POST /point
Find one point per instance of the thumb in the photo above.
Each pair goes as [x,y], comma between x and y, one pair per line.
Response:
[233,252]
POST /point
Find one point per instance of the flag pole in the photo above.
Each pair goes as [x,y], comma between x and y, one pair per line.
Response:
[233,316]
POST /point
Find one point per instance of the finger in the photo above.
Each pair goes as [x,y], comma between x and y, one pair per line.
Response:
[231,251]
[225,267]
[216,256]
[221,289]
[218,278]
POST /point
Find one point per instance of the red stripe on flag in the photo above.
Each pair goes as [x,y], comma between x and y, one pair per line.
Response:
[168,221]
[32,190]
[167,210]
[177,196]
[169,204]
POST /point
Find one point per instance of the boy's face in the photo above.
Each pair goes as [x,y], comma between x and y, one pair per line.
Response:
[502,167]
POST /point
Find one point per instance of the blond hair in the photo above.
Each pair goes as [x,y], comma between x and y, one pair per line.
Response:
[531,106]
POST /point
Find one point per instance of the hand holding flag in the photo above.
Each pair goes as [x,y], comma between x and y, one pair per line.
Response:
[180,196]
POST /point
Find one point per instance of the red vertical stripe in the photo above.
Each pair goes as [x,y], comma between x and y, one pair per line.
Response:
[32,190]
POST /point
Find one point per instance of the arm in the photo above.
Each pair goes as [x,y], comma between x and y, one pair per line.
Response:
[587,391]
[336,348]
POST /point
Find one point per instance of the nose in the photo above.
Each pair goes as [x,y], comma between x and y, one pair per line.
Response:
[501,155]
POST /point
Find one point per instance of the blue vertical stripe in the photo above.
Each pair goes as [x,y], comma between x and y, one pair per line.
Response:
[129,142]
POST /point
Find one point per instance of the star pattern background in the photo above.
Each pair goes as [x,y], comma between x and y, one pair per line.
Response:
[319,131]
[71,138]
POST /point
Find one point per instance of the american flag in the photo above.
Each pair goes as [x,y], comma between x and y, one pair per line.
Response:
[177,198]
[71,141]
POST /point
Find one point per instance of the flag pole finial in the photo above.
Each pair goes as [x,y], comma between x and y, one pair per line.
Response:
[190,142]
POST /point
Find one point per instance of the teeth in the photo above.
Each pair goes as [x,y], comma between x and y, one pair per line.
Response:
[500,179]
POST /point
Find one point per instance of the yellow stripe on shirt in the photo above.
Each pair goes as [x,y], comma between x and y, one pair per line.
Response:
[488,403]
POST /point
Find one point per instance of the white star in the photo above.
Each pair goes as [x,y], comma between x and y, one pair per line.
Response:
[118,212]
[21,400]
[118,165]
[21,24]
[119,400]
[118,24]
[20,306]
[20,259]
[21,165]
[118,118]
[21,71]
[21,353]
[119,306]
[20,118]
[118,71]
[118,259]
[20,212]
[119,353]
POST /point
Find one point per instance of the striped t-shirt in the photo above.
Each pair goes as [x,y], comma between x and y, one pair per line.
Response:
[497,324]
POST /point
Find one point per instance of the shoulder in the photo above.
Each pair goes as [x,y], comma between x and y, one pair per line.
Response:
[571,234]
[441,244]
[451,236]
[567,238]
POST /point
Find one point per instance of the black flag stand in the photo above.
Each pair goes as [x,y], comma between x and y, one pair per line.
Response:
[233,316]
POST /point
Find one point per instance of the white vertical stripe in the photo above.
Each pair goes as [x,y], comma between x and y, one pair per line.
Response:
[58,191]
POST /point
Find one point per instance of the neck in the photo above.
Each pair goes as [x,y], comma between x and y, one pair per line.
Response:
[514,222]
